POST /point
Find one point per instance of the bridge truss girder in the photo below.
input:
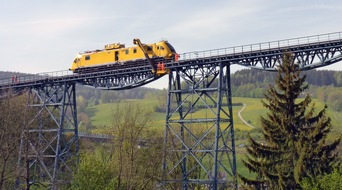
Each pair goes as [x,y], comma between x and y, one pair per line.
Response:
[121,81]
[199,135]
[49,143]
[308,57]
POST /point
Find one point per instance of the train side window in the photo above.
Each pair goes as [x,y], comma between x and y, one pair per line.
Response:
[134,50]
[149,48]
[127,51]
[87,57]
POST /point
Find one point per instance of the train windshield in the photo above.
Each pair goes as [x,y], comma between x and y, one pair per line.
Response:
[77,59]
[171,47]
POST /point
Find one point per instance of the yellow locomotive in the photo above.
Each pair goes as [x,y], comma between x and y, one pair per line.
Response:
[118,53]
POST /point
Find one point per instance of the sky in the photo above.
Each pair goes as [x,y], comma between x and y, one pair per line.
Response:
[45,35]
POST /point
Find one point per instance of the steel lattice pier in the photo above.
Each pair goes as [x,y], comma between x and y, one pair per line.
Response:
[49,143]
[199,134]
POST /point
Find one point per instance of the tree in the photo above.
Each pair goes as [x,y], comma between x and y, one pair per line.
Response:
[83,119]
[330,181]
[134,159]
[335,100]
[94,172]
[137,149]
[338,78]
[294,144]
[82,103]
[161,97]
[11,116]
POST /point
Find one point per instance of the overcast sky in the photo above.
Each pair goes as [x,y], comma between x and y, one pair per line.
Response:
[45,35]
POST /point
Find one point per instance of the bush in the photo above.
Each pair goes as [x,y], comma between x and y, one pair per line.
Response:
[330,181]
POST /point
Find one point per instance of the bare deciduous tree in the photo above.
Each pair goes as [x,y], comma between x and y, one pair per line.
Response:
[12,110]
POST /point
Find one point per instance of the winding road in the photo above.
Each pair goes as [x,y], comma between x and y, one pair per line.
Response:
[245,122]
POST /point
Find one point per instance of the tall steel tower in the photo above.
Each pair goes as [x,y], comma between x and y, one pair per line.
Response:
[199,134]
[49,143]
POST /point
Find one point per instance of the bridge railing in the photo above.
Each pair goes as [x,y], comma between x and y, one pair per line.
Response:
[266,46]
[22,78]
[239,50]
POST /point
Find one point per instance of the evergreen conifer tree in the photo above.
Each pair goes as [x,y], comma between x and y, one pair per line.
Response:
[294,145]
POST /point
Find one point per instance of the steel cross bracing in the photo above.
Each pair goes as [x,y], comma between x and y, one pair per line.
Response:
[199,136]
[49,143]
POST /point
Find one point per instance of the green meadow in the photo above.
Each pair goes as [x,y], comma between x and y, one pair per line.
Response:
[101,116]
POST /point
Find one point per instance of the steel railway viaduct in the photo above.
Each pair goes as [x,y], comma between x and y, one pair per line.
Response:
[212,151]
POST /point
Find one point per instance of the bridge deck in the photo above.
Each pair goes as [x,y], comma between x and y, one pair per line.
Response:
[325,49]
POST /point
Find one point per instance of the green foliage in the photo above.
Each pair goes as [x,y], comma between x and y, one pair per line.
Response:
[134,159]
[161,106]
[252,83]
[94,172]
[85,122]
[331,96]
[332,181]
[82,103]
[136,148]
[338,77]
[335,100]
[12,117]
[294,138]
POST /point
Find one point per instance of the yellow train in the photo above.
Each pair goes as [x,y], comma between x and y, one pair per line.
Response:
[118,53]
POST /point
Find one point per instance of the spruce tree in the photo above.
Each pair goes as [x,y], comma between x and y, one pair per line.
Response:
[294,145]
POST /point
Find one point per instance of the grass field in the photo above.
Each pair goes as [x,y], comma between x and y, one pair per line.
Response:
[101,115]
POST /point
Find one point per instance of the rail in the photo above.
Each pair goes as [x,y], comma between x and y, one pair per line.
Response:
[292,42]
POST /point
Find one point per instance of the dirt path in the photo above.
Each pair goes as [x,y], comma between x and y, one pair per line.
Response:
[245,122]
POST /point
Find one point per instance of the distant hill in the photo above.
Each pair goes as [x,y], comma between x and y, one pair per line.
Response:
[253,83]
[264,78]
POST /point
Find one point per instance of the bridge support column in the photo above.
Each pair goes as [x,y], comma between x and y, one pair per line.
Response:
[199,136]
[49,141]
